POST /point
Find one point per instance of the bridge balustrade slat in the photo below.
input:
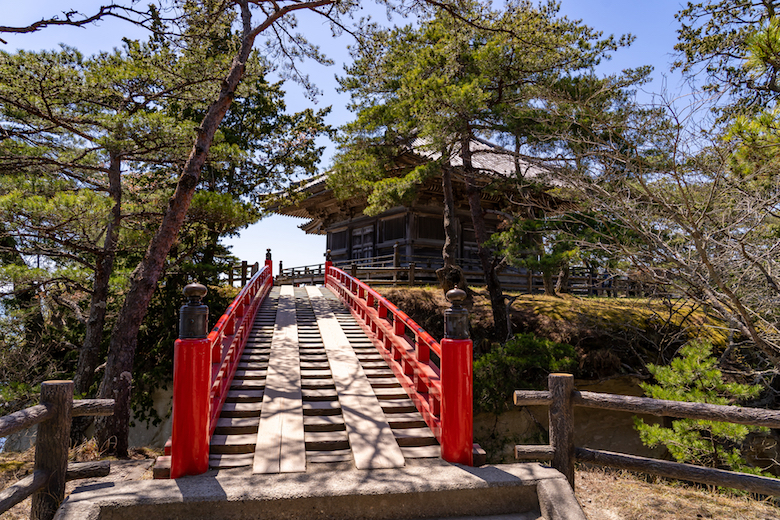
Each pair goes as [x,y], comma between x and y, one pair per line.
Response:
[410,361]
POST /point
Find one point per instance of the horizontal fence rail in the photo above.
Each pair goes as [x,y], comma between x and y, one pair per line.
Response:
[561,398]
[421,270]
[51,471]
[203,372]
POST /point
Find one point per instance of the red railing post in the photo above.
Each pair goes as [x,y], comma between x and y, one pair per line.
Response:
[328,265]
[269,264]
[191,386]
[457,431]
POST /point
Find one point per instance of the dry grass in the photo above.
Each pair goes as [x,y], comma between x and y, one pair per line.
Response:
[15,466]
[606,494]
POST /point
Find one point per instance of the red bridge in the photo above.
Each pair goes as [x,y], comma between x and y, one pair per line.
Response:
[295,377]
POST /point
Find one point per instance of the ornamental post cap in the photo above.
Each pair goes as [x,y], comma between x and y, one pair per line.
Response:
[456,296]
[194,292]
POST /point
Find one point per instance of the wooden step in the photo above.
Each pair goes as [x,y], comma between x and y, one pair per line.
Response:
[397,405]
[252,364]
[321,408]
[323,423]
[326,441]
[378,372]
[319,394]
[236,425]
[384,382]
[317,383]
[244,396]
[414,437]
[315,365]
[244,443]
[245,409]
[247,375]
[405,420]
[329,456]
[230,460]
[249,384]
[315,374]
[390,393]
[421,452]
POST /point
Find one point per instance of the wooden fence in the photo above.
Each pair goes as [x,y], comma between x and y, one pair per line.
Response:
[562,398]
[581,281]
[242,272]
[47,482]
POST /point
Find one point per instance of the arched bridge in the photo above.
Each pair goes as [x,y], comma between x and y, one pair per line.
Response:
[292,377]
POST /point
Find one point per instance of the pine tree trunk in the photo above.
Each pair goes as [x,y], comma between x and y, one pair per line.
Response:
[89,356]
[143,281]
[485,255]
[451,275]
[562,285]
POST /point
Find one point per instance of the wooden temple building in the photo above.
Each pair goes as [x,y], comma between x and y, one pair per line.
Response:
[417,228]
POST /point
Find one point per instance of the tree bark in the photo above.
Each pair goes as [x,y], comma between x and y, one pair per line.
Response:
[562,285]
[451,275]
[143,281]
[89,356]
[485,255]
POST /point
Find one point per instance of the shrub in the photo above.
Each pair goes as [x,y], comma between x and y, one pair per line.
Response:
[694,377]
[523,362]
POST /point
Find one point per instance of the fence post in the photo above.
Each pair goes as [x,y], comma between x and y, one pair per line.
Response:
[353,270]
[396,262]
[230,274]
[269,263]
[561,387]
[51,448]
[328,265]
[457,431]
[243,272]
[411,273]
[191,382]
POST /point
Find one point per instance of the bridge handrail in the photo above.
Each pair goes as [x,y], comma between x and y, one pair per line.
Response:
[204,366]
[228,338]
[425,389]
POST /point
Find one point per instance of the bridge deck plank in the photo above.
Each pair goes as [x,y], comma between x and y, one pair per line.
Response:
[280,446]
[371,438]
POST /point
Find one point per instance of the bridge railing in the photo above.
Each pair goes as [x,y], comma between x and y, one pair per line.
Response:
[562,398]
[204,366]
[441,392]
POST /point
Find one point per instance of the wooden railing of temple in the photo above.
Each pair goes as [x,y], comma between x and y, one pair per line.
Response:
[51,471]
[561,397]
[437,376]
[204,366]
[399,270]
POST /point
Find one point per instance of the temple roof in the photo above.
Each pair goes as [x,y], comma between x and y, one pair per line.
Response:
[488,158]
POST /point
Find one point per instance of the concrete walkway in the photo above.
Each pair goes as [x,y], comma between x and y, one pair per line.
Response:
[430,489]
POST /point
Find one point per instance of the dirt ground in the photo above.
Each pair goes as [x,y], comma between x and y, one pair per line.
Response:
[606,494]
[16,466]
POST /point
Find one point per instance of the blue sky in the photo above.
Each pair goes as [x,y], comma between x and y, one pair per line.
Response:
[652,22]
